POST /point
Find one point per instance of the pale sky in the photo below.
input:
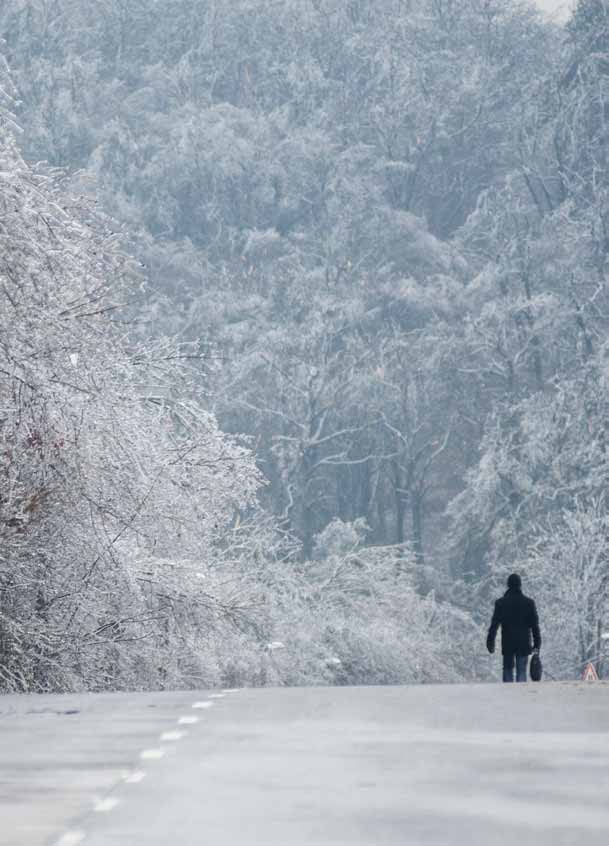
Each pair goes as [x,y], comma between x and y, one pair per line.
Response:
[560,8]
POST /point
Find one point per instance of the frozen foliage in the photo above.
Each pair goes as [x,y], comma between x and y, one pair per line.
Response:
[386,224]
[567,565]
[116,484]
[295,173]
[354,616]
[124,559]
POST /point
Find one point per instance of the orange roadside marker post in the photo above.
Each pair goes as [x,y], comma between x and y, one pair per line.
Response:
[590,674]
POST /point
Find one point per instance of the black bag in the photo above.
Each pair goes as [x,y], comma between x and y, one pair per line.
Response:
[536,668]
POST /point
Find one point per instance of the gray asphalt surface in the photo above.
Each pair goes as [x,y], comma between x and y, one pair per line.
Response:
[436,766]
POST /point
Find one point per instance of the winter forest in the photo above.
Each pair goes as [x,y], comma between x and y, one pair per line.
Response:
[304,338]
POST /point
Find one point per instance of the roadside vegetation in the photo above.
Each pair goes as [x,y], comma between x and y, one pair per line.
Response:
[303,338]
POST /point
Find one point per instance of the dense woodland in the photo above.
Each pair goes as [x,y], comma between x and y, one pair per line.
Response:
[303,338]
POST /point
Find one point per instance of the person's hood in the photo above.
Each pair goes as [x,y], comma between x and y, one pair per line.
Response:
[514,582]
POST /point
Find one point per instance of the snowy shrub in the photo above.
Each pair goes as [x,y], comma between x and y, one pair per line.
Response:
[354,616]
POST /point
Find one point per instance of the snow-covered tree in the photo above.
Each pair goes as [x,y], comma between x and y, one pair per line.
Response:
[117,487]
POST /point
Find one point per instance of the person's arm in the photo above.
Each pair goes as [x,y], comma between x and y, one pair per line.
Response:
[492,632]
[535,627]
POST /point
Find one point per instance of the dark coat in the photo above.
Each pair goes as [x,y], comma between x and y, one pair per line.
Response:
[517,616]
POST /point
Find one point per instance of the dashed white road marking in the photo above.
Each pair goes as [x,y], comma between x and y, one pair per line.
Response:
[170,736]
[71,838]
[188,721]
[151,754]
[135,777]
[103,805]
[76,837]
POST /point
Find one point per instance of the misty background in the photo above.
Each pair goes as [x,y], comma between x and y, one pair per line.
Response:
[304,338]
[558,9]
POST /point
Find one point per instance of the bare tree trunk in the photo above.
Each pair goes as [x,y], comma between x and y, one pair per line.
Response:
[400,505]
[416,510]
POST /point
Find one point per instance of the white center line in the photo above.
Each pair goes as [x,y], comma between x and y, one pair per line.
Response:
[217,695]
[202,704]
[102,805]
[71,838]
[170,736]
[150,754]
[135,777]
[188,721]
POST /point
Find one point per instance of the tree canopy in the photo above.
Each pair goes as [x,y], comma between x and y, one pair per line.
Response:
[369,236]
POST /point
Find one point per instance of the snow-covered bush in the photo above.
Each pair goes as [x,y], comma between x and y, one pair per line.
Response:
[117,489]
[353,616]
[568,572]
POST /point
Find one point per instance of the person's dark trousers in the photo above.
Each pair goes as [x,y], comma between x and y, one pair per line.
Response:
[521,667]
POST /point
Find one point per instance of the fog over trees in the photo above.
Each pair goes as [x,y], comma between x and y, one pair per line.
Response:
[303,338]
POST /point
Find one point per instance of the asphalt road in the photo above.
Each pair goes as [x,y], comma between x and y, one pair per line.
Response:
[480,765]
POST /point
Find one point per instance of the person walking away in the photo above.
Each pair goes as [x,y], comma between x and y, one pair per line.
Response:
[517,616]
